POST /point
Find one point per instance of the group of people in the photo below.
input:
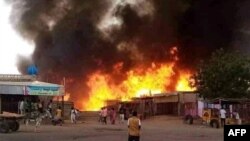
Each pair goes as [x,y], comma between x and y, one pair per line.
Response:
[133,123]
[28,106]
[104,113]
[223,116]
[35,111]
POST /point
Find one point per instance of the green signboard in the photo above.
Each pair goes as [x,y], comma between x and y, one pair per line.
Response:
[43,90]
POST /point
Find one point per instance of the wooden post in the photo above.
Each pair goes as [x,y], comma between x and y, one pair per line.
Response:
[63,97]
[178,105]
[197,105]
[0,103]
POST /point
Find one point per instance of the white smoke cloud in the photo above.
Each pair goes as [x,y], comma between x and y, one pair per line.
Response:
[11,44]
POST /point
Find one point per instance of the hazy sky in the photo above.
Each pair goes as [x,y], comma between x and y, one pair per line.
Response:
[11,44]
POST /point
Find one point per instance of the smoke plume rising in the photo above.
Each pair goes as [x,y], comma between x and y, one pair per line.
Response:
[74,38]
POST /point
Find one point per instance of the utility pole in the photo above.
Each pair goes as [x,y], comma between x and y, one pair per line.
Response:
[64,84]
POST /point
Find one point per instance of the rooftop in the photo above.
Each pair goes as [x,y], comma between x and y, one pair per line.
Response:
[16,77]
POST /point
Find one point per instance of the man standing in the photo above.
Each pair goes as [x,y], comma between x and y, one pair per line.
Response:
[58,116]
[105,114]
[40,106]
[122,111]
[223,116]
[50,106]
[21,107]
[112,115]
[73,114]
[134,127]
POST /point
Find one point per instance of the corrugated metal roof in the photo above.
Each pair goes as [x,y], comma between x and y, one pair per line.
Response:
[19,88]
[26,83]
[17,77]
[14,90]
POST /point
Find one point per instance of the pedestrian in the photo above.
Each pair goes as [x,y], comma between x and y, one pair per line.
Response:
[38,121]
[73,114]
[122,112]
[237,118]
[40,106]
[112,116]
[100,115]
[134,127]
[48,110]
[58,116]
[223,116]
[50,106]
[21,107]
[104,115]
[27,106]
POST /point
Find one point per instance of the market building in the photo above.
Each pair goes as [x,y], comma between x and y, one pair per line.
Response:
[14,88]
[175,103]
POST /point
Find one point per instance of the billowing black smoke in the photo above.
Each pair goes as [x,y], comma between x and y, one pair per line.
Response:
[70,41]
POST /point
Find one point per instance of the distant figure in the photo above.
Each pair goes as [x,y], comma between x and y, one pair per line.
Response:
[58,117]
[223,116]
[237,118]
[134,127]
[112,115]
[38,121]
[21,107]
[59,112]
[73,114]
[100,115]
[34,106]
[28,106]
[122,112]
[104,115]
[40,106]
[49,109]
[50,106]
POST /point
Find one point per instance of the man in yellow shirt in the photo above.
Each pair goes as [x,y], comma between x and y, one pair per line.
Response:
[134,127]
[58,117]
[59,113]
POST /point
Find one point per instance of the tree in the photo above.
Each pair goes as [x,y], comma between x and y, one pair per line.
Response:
[225,75]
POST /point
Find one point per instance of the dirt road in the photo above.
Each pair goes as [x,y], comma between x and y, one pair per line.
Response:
[154,129]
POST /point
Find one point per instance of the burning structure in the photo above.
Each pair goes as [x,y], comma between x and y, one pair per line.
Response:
[171,103]
[117,49]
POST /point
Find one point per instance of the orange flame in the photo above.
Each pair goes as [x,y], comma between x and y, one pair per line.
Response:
[66,97]
[140,81]
[183,83]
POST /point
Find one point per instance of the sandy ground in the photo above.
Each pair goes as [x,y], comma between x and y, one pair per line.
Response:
[162,128]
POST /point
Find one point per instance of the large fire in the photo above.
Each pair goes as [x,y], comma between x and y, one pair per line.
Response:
[141,81]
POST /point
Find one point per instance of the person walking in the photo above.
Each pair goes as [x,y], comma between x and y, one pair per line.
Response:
[38,121]
[104,115]
[73,114]
[21,107]
[112,115]
[40,106]
[100,115]
[134,127]
[122,112]
[49,107]
[58,117]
